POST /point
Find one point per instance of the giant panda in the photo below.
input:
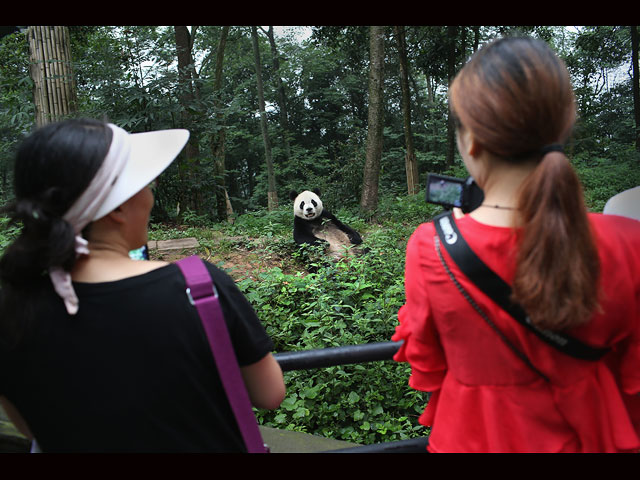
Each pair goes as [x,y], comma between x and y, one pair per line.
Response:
[314,225]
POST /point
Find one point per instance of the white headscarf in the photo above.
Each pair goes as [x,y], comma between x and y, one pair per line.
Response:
[83,211]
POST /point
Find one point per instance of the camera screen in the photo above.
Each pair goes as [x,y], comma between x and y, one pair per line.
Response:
[445,192]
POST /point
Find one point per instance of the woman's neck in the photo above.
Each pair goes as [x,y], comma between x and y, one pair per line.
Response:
[109,262]
[501,186]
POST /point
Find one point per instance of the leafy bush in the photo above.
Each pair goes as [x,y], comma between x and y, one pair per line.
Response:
[351,302]
[8,232]
[348,303]
[602,178]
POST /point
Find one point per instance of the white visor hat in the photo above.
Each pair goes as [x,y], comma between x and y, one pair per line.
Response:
[150,153]
[133,161]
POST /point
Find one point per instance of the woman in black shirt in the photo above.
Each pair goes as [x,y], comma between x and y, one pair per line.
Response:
[99,352]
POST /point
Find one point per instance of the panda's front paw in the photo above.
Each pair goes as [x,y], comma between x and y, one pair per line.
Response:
[355,239]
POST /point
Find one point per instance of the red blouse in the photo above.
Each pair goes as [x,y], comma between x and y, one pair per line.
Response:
[484,398]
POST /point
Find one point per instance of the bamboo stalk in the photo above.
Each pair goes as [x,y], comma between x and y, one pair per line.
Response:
[59,74]
[40,99]
[63,69]
[59,59]
[52,73]
[69,83]
[33,70]
[48,87]
[51,63]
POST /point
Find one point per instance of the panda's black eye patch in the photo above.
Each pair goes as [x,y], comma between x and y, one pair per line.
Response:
[314,203]
[302,205]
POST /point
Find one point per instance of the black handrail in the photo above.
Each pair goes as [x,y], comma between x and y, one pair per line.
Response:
[328,357]
[349,354]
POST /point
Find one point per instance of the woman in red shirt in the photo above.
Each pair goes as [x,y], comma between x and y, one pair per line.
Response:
[572,271]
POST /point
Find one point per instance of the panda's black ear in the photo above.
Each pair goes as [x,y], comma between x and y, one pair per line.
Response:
[293,194]
[316,191]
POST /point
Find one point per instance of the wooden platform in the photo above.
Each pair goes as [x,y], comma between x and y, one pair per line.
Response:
[177,244]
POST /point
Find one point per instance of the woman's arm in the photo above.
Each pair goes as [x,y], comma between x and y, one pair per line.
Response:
[264,382]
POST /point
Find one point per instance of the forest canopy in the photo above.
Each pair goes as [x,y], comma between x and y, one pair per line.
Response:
[272,109]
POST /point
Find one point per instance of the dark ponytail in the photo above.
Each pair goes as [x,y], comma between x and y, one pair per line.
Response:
[53,166]
[515,96]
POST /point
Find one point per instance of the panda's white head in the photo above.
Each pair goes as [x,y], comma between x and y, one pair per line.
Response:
[307,205]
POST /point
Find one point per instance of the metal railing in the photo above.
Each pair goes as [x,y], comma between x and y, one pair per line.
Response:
[350,354]
[328,357]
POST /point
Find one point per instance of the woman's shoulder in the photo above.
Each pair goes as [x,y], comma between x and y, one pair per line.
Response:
[618,239]
[615,228]
[615,221]
[468,226]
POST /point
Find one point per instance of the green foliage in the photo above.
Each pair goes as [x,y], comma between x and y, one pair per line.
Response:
[602,178]
[8,233]
[128,75]
[16,104]
[350,302]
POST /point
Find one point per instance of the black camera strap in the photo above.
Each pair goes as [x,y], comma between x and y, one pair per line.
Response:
[498,290]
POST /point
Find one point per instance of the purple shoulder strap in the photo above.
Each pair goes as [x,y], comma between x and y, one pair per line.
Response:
[204,296]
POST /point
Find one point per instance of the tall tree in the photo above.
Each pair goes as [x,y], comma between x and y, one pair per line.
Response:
[451,71]
[54,88]
[187,94]
[282,99]
[411,164]
[272,194]
[217,139]
[369,197]
[636,82]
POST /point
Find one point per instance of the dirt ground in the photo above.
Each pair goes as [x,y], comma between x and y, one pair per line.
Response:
[239,263]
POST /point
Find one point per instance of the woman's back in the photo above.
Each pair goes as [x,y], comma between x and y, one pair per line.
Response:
[485,398]
[132,371]
[99,352]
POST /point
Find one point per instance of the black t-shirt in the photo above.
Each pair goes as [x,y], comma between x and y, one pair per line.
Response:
[132,371]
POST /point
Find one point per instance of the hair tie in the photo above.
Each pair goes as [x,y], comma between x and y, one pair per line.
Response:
[554,147]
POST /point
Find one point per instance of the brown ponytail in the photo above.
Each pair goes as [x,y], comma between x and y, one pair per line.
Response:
[515,96]
[557,271]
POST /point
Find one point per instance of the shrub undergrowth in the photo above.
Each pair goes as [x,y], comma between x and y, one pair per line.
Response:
[351,302]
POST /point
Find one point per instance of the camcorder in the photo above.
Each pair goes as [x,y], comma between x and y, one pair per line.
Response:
[453,192]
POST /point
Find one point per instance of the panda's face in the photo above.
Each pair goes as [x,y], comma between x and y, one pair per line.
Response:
[307,205]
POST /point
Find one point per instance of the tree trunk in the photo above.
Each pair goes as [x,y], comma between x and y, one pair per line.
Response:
[272,195]
[369,198]
[451,70]
[476,38]
[186,97]
[217,140]
[282,99]
[636,82]
[54,90]
[411,164]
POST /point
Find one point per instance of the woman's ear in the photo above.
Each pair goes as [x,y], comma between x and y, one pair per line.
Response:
[117,215]
[469,142]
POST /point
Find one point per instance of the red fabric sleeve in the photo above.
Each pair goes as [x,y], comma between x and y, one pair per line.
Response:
[421,348]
